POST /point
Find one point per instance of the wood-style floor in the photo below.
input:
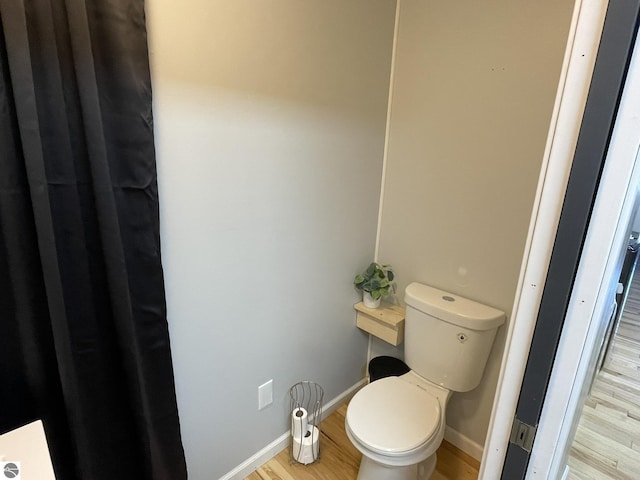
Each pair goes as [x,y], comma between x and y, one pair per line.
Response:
[339,460]
[607,442]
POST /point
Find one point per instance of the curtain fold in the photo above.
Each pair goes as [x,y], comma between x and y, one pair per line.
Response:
[86,345]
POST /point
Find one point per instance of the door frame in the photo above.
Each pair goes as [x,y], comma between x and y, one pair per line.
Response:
[594,288]
[592,151]
[531,308]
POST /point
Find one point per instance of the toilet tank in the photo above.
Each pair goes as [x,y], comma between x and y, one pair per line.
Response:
[448,338]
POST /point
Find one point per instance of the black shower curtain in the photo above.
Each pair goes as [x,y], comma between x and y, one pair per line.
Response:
[84,342]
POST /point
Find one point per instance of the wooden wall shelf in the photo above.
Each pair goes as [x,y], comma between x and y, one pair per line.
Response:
[385,322]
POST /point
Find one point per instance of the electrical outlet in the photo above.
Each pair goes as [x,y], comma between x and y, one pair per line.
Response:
[265,394]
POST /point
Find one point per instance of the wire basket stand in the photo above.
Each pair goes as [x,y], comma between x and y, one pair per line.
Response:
[306,414]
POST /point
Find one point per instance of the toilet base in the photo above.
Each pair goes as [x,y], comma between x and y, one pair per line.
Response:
[372,470]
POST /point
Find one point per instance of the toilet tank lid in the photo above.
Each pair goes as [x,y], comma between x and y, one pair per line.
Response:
[452,308]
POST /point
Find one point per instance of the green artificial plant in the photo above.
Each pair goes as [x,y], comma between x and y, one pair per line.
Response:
[377,280]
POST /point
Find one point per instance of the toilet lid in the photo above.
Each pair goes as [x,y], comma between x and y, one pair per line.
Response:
[393,416]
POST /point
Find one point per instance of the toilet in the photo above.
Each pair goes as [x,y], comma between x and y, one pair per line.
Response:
[397,422]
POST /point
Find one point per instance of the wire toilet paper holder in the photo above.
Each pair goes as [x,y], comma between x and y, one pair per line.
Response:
[306,399]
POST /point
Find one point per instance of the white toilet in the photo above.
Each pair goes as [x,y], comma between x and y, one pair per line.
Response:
[398,422]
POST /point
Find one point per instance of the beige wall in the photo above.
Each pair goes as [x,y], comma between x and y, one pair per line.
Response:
[474,86]
[270,121]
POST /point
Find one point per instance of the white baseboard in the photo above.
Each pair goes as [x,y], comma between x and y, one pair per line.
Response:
[337,402]
[566,472]
[463,442]
[267,453]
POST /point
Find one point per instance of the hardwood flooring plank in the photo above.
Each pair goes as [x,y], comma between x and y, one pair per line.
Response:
[598,469]
[613,430]
[630,409]
[583,471]
[340,460]
[274,470]
[580,450]
[606,445]
[333,429]
[451,464]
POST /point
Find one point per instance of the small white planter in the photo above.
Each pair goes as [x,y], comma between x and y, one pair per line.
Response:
[369,301]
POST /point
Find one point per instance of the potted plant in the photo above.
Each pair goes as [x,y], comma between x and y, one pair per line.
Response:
[375,282]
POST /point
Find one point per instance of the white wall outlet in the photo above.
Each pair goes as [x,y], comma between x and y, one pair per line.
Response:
[265,394]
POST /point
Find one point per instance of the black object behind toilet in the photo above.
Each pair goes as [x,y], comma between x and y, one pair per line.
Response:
[384,366]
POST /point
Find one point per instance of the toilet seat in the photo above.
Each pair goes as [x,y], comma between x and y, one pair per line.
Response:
[393,417]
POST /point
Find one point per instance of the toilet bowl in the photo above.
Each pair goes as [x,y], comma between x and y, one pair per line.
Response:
[397,423]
